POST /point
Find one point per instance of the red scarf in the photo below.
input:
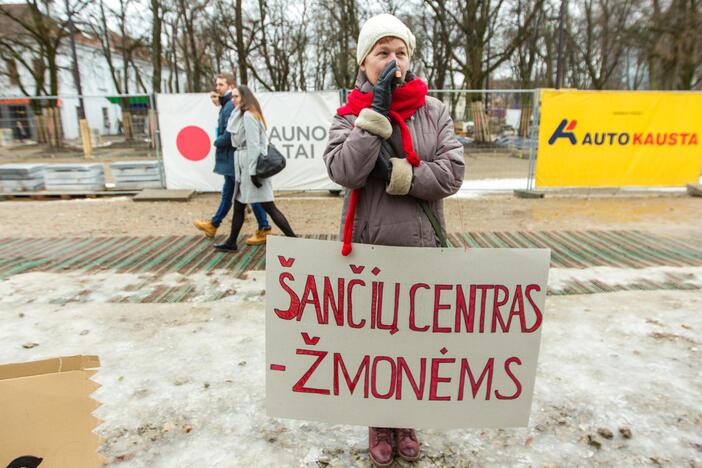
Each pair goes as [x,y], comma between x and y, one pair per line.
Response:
[405,102]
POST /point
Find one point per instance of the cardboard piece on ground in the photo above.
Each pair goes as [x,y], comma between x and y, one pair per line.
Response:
[164,195]
[436,338]
[46,411]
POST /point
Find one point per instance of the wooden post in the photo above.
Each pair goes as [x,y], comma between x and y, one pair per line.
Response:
[50,127]
[127,124]
[87,140]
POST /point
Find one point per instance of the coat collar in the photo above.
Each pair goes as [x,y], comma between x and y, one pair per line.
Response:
[225,99]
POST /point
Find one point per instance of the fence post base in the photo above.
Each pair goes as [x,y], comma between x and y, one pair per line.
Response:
[694,190]
[86,138]
[528,194]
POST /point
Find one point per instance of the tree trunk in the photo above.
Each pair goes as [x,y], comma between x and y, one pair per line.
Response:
[55,137]
[156,46]
[240,52]
[525,116]
[49,126]
[127,120]
[482,123]
[40,121]
[53,127]
[41,128]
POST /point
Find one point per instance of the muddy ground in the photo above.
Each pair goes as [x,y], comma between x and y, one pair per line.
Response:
[320,214]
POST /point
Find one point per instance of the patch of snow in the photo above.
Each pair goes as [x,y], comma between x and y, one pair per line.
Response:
[220,285]
[561,278]
[183,385]
[109,286]
[73,201]
[494,184]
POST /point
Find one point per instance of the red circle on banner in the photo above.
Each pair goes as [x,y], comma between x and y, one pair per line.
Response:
[193,143]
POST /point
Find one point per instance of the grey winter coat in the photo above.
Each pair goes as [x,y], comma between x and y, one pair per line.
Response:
[351,154]
[250,139]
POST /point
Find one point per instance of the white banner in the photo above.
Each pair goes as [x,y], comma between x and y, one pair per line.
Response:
[298,125]
[402,337]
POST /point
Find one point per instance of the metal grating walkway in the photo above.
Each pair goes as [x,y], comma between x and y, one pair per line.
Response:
[190,254]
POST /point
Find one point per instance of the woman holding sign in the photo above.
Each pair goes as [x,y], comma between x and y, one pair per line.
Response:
[248,129]
[394,146]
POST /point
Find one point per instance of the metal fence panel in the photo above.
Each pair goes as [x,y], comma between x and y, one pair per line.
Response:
[498,130]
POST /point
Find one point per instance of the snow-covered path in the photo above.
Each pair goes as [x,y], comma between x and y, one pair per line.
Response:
[183,385]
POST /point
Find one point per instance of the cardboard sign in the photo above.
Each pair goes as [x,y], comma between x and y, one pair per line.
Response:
[619,139]
[47,413]
[402,337]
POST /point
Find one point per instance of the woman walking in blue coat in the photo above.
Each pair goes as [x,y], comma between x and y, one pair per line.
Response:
[224,165]
[248,129]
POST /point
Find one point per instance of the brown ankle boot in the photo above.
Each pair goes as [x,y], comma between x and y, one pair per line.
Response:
[380,446]
[207,227]
[407,444]
[259,238]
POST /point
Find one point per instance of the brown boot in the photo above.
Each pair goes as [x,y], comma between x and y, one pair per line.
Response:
[207,227]
[407,444]
[259,238]
[380,446]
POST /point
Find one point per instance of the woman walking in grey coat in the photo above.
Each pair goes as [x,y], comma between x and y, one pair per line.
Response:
[395,147]
[248,129]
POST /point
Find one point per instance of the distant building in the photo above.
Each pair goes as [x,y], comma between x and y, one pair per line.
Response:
[103,110]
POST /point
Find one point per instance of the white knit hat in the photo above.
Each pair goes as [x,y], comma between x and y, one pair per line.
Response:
[381,26]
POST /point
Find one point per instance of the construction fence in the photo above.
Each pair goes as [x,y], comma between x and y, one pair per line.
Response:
[589,138]
[118,126]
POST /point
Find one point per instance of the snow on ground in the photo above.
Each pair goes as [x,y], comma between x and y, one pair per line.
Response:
[107,286]
[493,185]
[183,384]
[473,188]
[561,278]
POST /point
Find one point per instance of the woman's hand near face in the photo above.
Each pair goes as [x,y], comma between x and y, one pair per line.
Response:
[382,92]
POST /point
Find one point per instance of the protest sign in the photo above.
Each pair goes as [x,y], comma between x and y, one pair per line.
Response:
[402,337]
[46,413]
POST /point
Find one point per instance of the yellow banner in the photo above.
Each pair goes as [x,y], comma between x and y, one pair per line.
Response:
[619,139]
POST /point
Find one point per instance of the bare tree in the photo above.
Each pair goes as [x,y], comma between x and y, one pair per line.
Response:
[33,42]
[116,46]
[670,44]
[477,24]
[434,43]
[242,48]
[602,40]
[281,39]
[190,15]
[526,56]
[156,46]
[171,32]
[342,17]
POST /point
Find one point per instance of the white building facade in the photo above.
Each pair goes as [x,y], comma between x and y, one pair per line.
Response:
[102,107]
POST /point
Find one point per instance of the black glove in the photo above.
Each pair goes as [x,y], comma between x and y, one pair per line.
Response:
[255,181]
[382,92]
[383,168]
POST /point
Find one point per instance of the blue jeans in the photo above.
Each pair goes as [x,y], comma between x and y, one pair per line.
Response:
[225,205]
